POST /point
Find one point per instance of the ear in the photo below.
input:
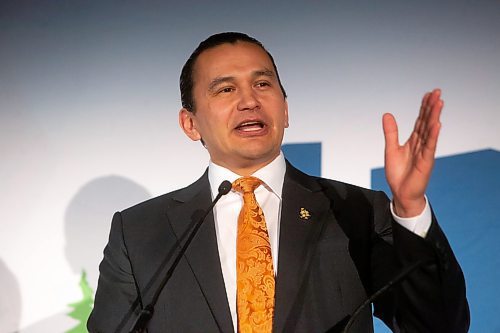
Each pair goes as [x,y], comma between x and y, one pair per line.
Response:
[187,123]
[286,114]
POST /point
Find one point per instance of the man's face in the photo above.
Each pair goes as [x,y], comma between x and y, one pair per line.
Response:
[240,111]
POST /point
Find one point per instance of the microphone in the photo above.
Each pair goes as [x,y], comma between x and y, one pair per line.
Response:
[345,324]
[147,313]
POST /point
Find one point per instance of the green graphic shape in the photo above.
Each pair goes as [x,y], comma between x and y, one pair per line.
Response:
[81,310]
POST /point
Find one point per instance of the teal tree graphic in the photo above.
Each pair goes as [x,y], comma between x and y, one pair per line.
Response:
[81,310]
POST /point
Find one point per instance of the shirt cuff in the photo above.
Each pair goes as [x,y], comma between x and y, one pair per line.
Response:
[419,224]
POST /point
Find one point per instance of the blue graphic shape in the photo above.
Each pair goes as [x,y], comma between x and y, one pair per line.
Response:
[465,194]
[304,156]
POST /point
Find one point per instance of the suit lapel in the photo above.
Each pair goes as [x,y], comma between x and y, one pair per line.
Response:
[298,238]
[297,244]
[202,254]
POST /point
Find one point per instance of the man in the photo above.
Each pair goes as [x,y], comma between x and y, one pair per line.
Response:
[326,245]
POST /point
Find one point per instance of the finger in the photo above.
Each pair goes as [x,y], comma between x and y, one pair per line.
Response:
[432,119]
[434,97]
[431,111]
[435,112]
[418,121]
[425,102]
[430,145]
[430,131]
[390,131]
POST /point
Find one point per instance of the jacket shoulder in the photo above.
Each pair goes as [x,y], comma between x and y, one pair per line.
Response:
[332,188]
[165,201]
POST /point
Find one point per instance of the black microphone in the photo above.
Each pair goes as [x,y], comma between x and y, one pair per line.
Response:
[147,313]
[345,324]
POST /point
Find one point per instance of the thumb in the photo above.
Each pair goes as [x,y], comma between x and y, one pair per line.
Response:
[390,131]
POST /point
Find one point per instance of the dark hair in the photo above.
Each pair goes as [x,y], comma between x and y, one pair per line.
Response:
[186,80]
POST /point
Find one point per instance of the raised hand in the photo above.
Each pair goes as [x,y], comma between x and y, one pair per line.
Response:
[408,167]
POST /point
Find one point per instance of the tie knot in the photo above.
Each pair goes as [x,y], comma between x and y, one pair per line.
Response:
[246,184]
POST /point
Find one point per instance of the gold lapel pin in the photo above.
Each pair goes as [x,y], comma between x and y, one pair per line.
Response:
[304,214]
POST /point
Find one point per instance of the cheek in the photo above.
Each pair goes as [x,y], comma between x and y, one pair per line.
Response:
[219,116]
[216,127]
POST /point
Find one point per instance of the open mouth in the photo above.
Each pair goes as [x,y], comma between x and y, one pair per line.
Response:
[250,126]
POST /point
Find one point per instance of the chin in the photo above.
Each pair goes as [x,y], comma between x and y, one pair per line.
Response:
[260,155]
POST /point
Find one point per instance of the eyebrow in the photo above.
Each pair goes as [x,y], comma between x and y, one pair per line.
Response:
[218,80]
[264,72]
[222,79]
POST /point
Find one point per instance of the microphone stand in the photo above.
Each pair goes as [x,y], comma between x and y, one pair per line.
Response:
[148,311]
[345,324]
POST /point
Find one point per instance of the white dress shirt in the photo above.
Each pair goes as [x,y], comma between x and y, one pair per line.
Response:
[268,196]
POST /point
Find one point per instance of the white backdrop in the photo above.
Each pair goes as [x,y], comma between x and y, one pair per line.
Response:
[89,101]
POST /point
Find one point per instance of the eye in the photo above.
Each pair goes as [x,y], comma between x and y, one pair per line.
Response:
[262,84]
[225,90]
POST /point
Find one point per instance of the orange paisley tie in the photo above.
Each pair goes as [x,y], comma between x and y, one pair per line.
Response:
[254,263]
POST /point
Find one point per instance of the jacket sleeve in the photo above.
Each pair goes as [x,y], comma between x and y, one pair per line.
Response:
[116,296]
[432,298]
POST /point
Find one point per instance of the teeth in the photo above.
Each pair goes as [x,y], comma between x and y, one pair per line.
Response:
[250,126]
[251,123]
[250,129]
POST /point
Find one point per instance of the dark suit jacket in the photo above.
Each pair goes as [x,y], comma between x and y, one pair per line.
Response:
[327,265]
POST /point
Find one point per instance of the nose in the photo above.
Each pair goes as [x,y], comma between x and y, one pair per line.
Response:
[248,100]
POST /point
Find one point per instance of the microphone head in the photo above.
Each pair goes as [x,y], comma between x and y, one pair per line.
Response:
[225,187]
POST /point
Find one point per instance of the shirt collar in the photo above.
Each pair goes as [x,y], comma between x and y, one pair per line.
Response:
[272,175]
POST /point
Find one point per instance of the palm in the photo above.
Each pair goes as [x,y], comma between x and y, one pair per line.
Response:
[408,167]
